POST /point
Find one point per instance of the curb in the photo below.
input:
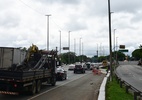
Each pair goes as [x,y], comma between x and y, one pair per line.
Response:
[103,87]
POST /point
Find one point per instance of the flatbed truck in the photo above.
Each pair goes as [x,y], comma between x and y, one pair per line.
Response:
[38,67]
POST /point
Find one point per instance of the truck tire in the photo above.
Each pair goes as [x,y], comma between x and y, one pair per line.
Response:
[65,77]
[38,86]
[53,81]
[32,89]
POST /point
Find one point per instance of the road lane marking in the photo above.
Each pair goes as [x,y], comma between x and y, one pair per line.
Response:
[54,88]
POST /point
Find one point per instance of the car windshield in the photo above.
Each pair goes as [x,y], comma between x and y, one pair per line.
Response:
[60,69]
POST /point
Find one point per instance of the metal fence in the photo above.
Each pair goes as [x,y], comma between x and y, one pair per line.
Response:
[137,93]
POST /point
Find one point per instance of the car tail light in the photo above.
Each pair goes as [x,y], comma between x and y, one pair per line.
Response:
[61,73]
[15,85]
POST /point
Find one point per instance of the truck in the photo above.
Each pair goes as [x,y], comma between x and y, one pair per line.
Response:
[26,71]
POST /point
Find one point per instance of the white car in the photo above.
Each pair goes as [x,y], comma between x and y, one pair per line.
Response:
[71,67]
[61,74]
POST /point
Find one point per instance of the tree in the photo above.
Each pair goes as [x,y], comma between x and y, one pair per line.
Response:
[120,55]
[68,57]
[101,58]
[137,54]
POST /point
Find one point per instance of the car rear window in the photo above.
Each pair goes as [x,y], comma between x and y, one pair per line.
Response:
[78,66]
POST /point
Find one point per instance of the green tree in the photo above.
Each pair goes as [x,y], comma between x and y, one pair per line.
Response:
[137,54]
[101,58]
[120,56]
[68,57]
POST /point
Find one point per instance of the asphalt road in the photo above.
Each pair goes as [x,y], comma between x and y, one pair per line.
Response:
[131,73]
[76,87]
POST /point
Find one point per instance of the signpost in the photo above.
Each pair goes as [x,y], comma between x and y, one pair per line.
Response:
[122,46]
[65,48]
[123,50]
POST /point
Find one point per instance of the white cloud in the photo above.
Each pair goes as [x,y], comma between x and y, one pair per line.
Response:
[23,22]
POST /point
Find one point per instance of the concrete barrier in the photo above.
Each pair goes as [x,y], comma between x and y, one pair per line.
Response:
[103,87]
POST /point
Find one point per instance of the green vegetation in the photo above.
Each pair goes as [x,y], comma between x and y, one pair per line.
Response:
[71,57]
[114,92]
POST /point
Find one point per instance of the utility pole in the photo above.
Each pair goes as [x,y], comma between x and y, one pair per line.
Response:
[110,44]
[48,31]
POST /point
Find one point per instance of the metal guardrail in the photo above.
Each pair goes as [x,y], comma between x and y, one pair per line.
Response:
[128,86]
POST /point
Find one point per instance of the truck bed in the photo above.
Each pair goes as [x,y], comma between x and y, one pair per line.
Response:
[23,75]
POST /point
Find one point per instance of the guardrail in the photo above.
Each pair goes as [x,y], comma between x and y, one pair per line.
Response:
[128,86]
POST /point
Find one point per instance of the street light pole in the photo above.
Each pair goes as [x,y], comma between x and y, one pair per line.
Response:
[69,40]
[110,45]
[60,41]
[47,31]
[80,48]
[97,49]
[69,46]
[114,39]
[82,53]
[74,49]
[116,50]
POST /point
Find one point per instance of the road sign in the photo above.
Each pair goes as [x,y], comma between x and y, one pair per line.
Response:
[123,50]
[122,46]
[65,48]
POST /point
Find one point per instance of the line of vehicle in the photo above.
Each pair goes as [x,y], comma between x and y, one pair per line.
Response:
[54,88]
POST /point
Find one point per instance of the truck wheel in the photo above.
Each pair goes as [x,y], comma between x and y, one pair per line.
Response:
[32,89]
[38,86]
[65,77]
[53,81]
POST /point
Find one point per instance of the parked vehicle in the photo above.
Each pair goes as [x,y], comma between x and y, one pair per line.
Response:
[84,66]
[61,74]
[37,67]
[88,64]
[79,68]
[71,67]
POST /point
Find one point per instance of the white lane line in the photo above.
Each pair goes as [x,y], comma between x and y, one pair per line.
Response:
[54,88]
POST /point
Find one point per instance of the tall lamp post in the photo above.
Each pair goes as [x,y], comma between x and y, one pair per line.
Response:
[116,50]
[110,45]
[60,41]
[80,48]
[47,31]
[114,39]
[74,49]
[69,46]
[114,46]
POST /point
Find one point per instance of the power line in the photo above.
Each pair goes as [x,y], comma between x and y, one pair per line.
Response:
[30,7]
[41,14]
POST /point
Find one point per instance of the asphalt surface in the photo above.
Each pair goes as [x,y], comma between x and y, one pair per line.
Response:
[131,73]
[84,88]
[76,87]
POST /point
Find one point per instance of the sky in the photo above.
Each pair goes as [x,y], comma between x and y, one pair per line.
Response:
[24,22]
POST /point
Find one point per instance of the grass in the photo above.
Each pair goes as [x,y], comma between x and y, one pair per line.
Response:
[114,92]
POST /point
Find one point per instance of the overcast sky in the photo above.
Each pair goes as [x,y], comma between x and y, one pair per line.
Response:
[23,22]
